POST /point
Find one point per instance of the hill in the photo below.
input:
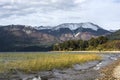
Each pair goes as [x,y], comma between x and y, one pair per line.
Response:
[114,35]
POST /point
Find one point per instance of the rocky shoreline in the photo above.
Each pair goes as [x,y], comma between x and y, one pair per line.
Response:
[111,72]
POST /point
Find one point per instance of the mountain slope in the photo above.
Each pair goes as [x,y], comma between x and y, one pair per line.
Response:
[28,34]
[115,35]
[68,31]
[13,36]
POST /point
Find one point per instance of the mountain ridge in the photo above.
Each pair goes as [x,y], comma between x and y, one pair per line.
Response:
[66,30]
[71,26]
[25,36]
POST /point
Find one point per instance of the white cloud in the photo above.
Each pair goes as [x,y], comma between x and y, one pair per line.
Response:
[79,1]
[53,12]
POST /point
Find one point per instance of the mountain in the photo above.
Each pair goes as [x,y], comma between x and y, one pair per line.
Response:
[115,35]
[21,37]
[68,31]
[112,30]
[74,26]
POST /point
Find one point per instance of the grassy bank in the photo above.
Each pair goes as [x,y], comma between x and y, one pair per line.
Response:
[36,62]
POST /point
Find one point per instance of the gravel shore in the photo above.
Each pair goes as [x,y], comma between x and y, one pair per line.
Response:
[116,72]
[111,72]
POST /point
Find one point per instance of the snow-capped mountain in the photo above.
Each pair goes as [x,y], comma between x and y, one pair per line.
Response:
[22,37]
[74,26]
[71,26]
[67,31]
[48,35]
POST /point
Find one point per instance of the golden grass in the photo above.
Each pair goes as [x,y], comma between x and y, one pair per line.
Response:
[37,62]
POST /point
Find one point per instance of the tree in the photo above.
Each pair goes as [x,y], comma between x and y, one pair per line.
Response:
[93,42]
[102,39]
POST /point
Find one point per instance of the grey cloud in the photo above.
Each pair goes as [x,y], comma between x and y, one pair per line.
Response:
[52,12]
[17,8]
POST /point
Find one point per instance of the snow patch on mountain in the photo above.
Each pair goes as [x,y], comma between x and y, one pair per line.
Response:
[77,34]
[43,27]
[71,26]
[74,26]
[90,25]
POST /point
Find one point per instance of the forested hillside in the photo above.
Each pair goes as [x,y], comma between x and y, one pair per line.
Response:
[73,45]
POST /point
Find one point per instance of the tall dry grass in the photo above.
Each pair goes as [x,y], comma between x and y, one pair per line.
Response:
[38,62]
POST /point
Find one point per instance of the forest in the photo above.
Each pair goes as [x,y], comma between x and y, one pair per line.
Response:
[101,43]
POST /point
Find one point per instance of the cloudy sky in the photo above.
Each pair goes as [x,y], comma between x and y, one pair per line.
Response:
[105,13]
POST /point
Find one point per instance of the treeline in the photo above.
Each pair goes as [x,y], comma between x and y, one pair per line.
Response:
[25,48]
[75,45]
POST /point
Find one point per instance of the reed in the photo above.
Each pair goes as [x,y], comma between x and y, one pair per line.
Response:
[38,62]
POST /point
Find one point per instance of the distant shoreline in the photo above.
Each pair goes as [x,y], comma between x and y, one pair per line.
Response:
[90,51]
[63,52]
